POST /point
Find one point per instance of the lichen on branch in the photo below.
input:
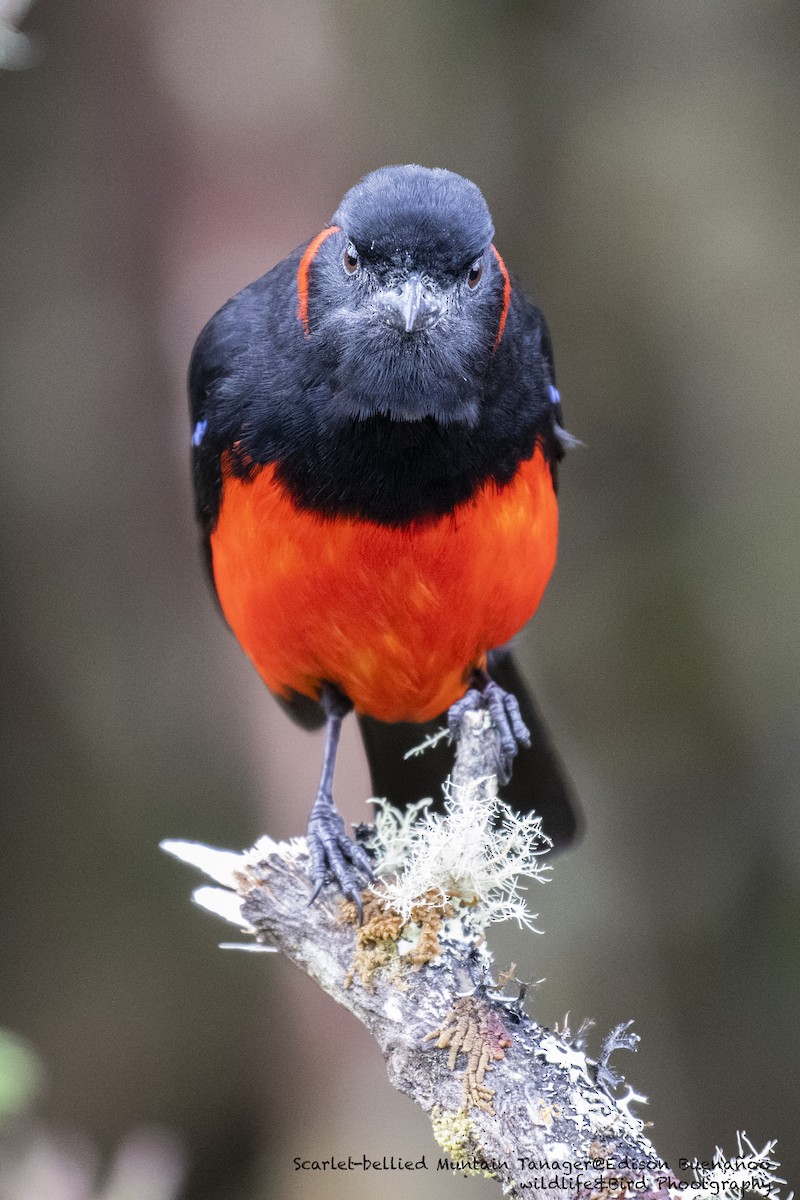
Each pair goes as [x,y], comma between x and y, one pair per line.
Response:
[507,1098]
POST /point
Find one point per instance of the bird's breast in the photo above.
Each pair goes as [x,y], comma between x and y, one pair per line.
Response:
[397,617]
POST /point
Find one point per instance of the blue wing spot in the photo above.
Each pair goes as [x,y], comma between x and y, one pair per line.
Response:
[555,395]
[199,432]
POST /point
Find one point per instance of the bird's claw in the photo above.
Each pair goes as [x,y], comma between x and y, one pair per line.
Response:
[335,856]
[503,709]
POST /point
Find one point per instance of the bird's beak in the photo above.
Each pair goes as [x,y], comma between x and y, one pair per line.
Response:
[411,306]
[411,300]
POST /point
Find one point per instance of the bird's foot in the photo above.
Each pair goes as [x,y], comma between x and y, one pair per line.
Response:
[334,855]
[503,709]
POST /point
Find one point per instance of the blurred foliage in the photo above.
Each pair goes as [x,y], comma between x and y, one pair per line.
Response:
[20,1074]
[37,1163]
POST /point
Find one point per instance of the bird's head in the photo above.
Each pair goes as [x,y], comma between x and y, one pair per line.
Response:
[406,297]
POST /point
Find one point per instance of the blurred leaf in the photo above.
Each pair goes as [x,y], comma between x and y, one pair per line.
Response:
[20,1074]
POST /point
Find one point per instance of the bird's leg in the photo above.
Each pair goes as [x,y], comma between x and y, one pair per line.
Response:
[511,730]
[333,853]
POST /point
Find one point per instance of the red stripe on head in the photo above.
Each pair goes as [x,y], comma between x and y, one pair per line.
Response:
[303,274]
[506,297]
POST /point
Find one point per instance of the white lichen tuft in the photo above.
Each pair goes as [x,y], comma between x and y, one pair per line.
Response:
[292,851]
[749,1169]
[624,1103]
[396,832]
[475,853]
[430,741]
[219,865]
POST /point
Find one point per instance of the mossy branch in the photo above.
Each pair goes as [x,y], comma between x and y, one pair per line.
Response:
[507,1097]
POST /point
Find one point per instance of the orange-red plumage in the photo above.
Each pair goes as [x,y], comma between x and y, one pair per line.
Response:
[303,272]
[506,296]
[397,617]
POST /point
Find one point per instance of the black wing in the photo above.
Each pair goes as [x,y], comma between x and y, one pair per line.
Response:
[525,360]
[241,380]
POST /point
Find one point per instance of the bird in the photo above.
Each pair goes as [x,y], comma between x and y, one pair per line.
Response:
[376,434]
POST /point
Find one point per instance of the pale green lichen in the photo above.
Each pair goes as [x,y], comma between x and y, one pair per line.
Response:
[455,1133]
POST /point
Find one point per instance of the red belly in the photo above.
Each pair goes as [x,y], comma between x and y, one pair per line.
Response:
[397,618]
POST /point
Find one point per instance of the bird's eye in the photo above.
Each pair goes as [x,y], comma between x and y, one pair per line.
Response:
[474,273]
[351,259]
